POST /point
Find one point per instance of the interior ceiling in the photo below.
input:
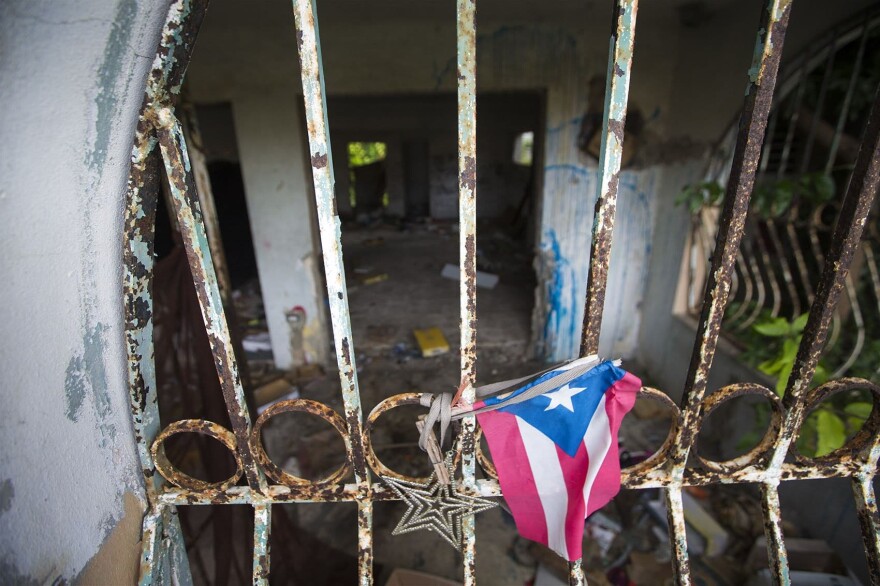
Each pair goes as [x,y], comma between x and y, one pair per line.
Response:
[507,11]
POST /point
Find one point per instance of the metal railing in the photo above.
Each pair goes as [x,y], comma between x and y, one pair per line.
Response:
[160,141]
[804,166]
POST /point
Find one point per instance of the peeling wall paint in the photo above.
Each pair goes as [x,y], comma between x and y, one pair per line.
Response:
[563,258]
[7,493]
[86,379]
[74,76]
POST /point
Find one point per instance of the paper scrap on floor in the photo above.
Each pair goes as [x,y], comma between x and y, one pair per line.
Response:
[484,280]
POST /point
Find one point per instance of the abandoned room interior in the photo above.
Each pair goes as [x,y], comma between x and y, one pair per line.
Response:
[266,261]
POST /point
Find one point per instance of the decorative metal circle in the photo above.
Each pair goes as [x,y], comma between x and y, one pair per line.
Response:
[299,406]
[658,458]
[818,214]
[182,480]
[859,447]
[376,465]
[753,456]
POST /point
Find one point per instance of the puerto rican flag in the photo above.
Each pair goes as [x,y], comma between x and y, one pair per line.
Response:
[556,453]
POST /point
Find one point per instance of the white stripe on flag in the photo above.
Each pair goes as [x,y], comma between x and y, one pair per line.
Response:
[547,472]
[598,441]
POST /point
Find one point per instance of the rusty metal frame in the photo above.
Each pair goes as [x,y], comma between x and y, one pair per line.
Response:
[159,141]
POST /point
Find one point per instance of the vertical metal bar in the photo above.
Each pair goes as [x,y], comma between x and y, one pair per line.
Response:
[576,575]
[176,560]
[768,142]
[620,56]
[792,121]
[365,541]
[195,241]
[854,211]
[262,534]
[312,74]
[311,69]
[137,258]
[681,571]
[196,151]
[773,532]
[847,100]
[150,539]
[182,24]
[466,34]
[820,104]
[616,93]
[753,122]
[869,519]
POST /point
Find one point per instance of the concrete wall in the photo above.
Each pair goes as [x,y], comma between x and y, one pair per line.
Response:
[385,56]
[70,487]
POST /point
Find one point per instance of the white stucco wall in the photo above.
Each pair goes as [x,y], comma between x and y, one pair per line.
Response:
[73,76]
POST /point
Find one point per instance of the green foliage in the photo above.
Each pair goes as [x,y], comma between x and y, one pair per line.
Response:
[769,200]
[827,427]
[360,154]
[365,153]
[700,195]
[774,198]
[830,431]
[781,364]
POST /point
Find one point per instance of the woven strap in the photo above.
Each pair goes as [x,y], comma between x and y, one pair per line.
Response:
[440,405]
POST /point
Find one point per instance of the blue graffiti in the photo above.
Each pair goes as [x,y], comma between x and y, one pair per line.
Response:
[576,169]
[559,326]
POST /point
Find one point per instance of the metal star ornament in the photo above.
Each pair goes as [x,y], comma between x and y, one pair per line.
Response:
[435,506]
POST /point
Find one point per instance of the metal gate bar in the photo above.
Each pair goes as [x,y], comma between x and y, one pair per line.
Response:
[320,155]
[668,469]
[466,33]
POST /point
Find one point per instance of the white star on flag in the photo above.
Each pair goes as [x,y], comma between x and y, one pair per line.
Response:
[563,397]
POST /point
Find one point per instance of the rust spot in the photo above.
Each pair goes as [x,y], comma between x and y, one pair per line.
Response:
[346,352]
[140,312]
[319,161]
[469,174]
[617,70]
[616,127]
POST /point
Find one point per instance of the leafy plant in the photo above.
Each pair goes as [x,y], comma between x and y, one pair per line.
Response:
[789,334]
[700,195]
[774,198]
[825,428]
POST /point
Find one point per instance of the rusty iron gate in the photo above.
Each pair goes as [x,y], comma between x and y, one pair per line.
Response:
[160,141]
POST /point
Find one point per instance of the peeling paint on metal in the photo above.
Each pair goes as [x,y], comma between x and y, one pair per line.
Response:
[262,530]
[620,53]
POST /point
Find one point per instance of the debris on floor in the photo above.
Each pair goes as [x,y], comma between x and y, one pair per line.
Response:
[431,342]
[373,279]
[403,577]
[484,280]
[277,390]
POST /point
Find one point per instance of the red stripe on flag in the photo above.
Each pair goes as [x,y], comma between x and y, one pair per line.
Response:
[619,399]
[574,470]
[514,473]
